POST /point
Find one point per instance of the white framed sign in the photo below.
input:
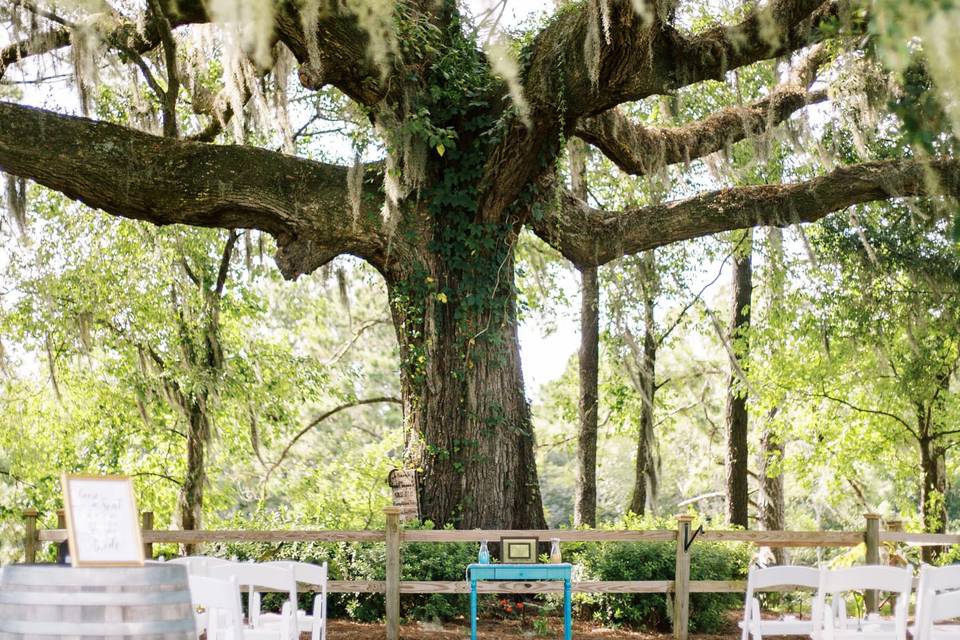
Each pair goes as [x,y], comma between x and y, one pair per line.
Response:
[103,524]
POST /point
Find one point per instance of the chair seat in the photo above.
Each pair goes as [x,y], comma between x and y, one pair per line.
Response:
[867,632]
[781,627]
[304,620]
[946,632]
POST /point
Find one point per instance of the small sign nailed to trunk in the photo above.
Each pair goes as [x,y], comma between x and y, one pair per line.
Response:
[403,482]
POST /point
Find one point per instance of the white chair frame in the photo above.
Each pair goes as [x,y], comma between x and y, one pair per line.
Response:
[257,577]
[755,627]
[834,583]
[936,584]
[315,576]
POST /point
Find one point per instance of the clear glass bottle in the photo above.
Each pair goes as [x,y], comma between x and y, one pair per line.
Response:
[555,551]
[484,556]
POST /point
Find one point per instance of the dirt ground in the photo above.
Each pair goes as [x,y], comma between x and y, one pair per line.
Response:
[492,630]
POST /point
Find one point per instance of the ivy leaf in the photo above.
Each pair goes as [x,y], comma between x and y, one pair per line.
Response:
[442,298]
[441,149]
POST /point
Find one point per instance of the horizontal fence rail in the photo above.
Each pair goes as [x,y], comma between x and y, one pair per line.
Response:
[680,588]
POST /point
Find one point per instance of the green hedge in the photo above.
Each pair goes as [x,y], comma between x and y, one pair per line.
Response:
[657,561]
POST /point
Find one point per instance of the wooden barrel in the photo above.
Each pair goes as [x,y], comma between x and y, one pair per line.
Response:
[39,602]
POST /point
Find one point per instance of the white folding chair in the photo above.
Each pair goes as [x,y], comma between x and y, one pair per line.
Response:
[753,626]
[257,577]
[314,576]
[217,605]
[836,583]
[935,581]
[941,606]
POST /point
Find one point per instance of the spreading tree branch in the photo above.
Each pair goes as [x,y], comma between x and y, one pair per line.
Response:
[639,150]
[127,173]
[774,29]
[644,56]
[586,236]
[34,45]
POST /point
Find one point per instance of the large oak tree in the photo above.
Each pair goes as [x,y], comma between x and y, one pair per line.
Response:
[471,160]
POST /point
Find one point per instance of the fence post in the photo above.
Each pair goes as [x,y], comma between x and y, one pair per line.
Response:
[147,519]
[30,536]
[872,540]
[393,572]
[681,582]
[893,558]
[63,548]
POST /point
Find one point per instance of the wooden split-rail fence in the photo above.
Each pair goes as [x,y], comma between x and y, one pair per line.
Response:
[394,536]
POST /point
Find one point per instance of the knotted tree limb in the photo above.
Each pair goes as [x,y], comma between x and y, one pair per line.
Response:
[302,203]
[588,236]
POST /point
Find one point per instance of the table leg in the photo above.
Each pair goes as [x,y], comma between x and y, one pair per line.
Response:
[567,617]
[473,610]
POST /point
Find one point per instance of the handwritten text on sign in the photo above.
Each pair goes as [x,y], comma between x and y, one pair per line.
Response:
[104,520]
[403,482]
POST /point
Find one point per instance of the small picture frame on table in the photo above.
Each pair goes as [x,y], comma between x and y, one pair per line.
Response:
[518,550]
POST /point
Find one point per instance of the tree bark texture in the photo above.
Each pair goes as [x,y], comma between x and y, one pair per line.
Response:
[585,508]
[585,494]
[933,491]
[644,481]
[771,513]
[736,409]
[471,431]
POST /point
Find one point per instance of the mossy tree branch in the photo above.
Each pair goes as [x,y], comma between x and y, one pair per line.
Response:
[645,57]
[639,150]
[303,204]
[588,236]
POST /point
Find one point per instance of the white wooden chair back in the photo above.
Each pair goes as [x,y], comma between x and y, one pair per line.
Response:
[314,576]
[837,582]
[220,598]
[780,576]
[257,577]
[934,582]
[200,565]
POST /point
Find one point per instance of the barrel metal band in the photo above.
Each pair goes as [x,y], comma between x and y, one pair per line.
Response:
[98,628]
[45,575]
[91,598]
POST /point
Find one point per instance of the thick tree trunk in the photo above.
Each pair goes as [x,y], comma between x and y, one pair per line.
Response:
[736,411]
[645,468]
[585,498]
[469,421]
[933,490]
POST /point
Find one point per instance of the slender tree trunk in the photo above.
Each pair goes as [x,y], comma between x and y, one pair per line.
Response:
[771,511]
[645,475]
[585,499]
[736,412]
[585,506]
[933,490]
[195,479]
[772,504]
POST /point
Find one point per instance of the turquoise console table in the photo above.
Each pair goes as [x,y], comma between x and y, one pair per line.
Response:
[520,573]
